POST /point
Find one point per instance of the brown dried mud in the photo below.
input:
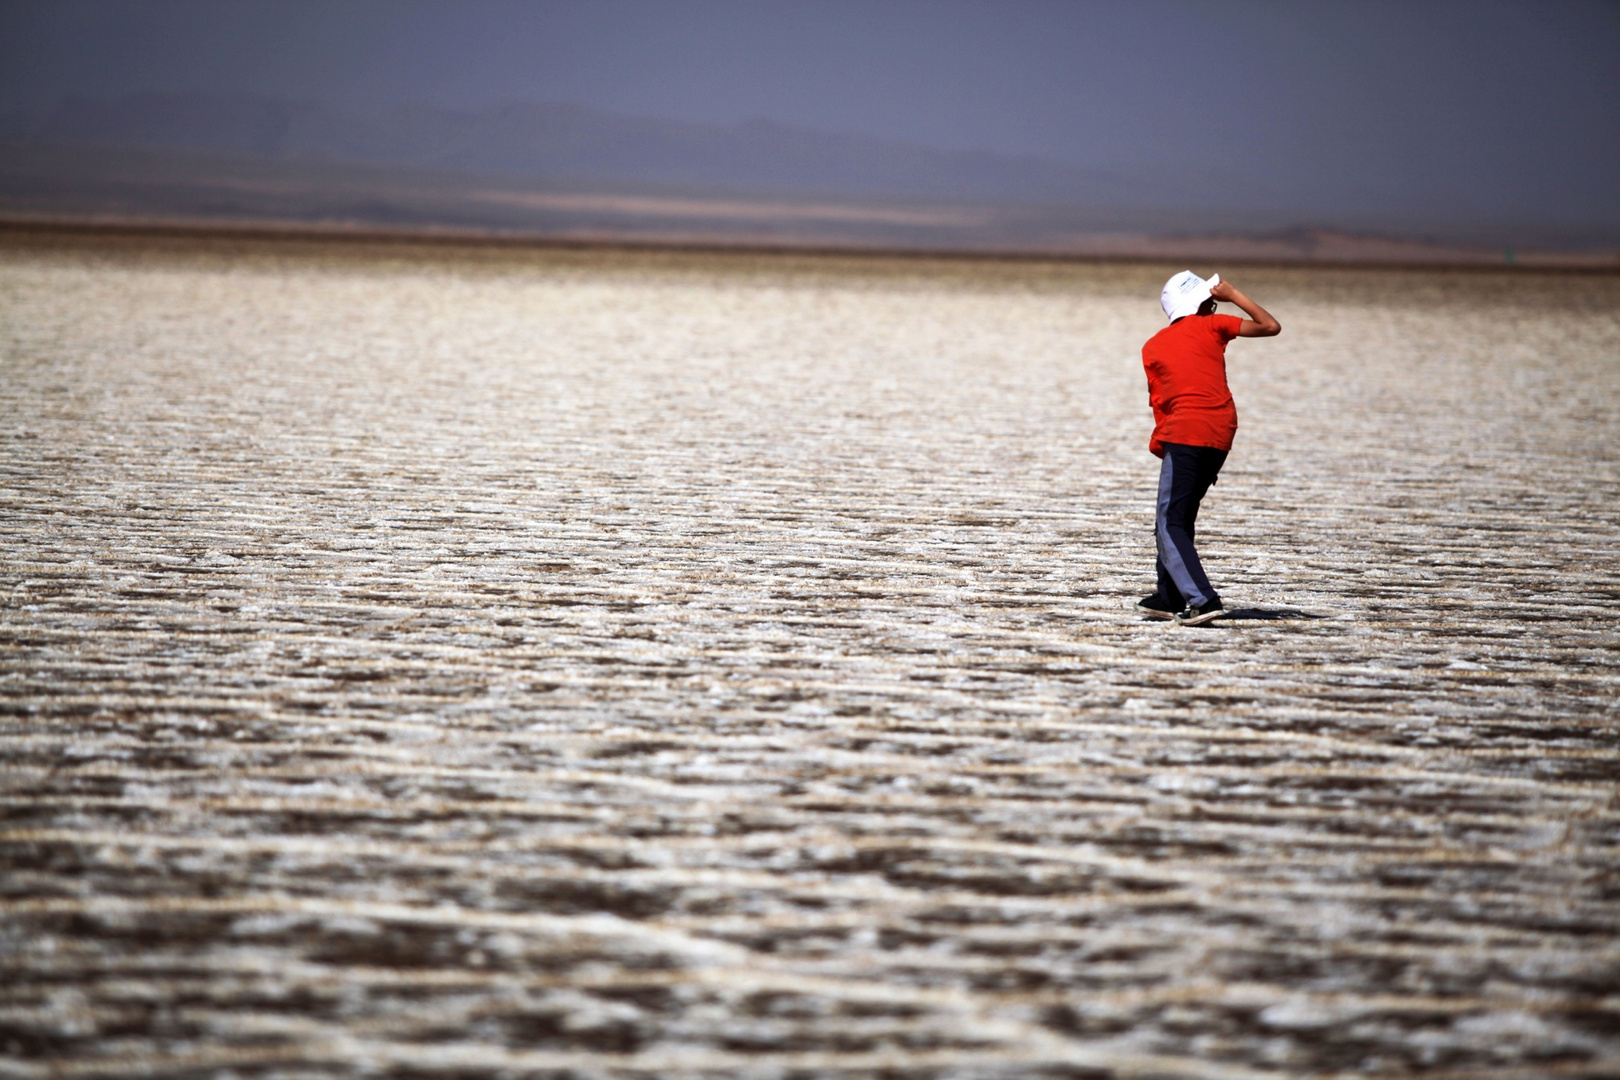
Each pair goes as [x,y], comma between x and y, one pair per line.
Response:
[591,665]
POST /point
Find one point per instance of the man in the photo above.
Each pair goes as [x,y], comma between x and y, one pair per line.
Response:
[1194,421]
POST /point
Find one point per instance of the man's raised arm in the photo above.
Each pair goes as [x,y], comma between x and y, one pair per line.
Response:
[1260,322]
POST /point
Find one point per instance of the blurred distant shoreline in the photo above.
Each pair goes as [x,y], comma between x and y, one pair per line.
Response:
[1323,250]
[563,175]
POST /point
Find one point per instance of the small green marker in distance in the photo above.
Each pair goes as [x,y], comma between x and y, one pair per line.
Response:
[1507,254]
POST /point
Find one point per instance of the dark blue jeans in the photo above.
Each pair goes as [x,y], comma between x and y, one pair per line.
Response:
[1185,475]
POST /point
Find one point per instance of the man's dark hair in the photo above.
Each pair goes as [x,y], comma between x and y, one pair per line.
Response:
[1207,307]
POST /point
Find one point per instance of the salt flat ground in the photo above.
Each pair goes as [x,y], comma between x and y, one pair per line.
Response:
[473,664]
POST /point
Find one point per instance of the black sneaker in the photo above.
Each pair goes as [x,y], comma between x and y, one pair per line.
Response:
[1157,606]
[1195,615]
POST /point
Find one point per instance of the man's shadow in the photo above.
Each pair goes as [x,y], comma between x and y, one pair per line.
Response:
[1258,614]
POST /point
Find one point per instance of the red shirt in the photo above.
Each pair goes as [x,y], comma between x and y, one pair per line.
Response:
[1186,372]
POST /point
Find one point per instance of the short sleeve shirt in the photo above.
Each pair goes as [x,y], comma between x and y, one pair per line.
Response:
[1186,373]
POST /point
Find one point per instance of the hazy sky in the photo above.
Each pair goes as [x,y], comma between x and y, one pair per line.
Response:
[1493,107]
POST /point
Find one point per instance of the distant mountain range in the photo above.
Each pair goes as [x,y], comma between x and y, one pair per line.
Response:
[571,143]
[567,171]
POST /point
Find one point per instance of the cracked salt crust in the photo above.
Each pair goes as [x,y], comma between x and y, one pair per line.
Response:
[676,665]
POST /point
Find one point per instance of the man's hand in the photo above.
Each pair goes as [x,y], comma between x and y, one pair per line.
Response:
[1259,322]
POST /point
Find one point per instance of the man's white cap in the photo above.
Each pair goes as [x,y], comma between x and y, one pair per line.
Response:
[1184,292]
